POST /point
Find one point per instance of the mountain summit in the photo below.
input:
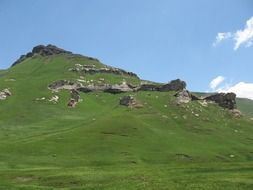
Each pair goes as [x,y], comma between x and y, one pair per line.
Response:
[43,51]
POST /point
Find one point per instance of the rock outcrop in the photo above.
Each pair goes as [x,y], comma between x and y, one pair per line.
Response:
[113,89]
[43,51]
[63,85]
[184,96]
[130,101]
[68,85]
[91,69]
[74,98]
[225,100]
[4,94]
[174,85]
[149,87]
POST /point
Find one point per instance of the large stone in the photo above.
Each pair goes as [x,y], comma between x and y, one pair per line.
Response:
[130,101]
[183,96]
[4,94]
[225,100]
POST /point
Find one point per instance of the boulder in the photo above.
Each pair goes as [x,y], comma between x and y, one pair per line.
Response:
[4,94]
[183,96]
[130,101]
[225,100]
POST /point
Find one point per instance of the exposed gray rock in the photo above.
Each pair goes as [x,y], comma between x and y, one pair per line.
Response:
[63,84]
[68,85]
[183,96]
[91,69]
[130,101]
[149,87]
[74,98]
[225,100]
[236,112]
[4,94]
[174,85]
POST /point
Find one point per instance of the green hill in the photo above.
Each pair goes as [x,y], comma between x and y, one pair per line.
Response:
[101,144]
[246,106]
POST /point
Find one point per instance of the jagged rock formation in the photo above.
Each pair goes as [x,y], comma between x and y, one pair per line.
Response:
[174,85]
[43,51]
[74,98]
[64,85]
[4,94]
[130,101]
[184,96]
[225,100]
[91,69]
[68,85]
[114,89]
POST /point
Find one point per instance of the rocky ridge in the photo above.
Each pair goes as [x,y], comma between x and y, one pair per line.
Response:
[91,69]
[43,51]
[225,100]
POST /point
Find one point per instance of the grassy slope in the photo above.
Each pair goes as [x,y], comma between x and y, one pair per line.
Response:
[246,106]
[101,145]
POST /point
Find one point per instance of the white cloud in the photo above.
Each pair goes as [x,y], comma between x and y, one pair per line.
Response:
[241,89]
[222,36]
[240,37]
[244,36]
[216,82]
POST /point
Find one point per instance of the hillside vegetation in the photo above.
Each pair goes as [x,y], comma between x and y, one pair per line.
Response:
[100,144]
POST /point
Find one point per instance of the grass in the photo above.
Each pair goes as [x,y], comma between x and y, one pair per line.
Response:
[102,145]
[186,176]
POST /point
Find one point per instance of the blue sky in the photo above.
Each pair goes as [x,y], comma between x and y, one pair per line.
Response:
[160,40]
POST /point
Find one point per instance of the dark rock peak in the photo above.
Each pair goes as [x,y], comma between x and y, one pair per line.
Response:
[43,51]
[225,100]
[48,50]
